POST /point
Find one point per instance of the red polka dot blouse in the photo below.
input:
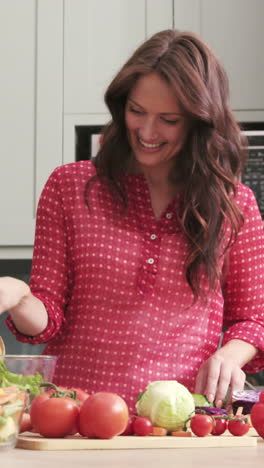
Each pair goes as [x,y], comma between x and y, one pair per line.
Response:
[113,282]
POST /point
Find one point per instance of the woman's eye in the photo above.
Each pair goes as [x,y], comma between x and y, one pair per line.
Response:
[135,111]
[170,122]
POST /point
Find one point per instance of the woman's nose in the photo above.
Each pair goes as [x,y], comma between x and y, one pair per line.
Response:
[148,130]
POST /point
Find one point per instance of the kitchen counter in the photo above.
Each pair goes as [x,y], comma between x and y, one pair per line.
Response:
[154,458]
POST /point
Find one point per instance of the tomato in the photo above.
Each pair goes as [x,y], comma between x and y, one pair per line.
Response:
[261,397]
[34,408]
[201,424]
[25,423]
[257,416]
[219,426]
[81,394]
[238,427]
[129,429]
[103,415]
[142,426]
[55,417]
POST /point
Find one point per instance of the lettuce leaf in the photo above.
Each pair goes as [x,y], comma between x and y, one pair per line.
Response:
[22,382]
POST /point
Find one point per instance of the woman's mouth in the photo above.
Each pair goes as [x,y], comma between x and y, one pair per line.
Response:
[149,146]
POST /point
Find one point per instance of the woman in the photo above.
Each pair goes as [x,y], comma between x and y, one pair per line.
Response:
[141,258]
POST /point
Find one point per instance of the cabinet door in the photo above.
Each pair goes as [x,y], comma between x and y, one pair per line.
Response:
[31,111]
[234,30]
[49,96]
[17,114]
[99,37]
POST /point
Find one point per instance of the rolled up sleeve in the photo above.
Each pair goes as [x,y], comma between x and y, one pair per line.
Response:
[48,279]
[244,284]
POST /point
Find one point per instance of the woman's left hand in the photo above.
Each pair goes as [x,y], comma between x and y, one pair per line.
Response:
[222,371]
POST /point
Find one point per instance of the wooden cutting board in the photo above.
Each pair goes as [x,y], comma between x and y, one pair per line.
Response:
[36,442]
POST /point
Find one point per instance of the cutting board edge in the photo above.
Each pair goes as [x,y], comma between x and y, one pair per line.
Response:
[134,442]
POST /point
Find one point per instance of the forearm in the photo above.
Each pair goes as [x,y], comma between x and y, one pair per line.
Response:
[239,351]
[29,316]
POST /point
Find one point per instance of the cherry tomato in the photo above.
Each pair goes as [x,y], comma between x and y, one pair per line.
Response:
[257,416]
[219,426]
[201,424]
[103,415]
[238,427]
[129,429]
[142,426]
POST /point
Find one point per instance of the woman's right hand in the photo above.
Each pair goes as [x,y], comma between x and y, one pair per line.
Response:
[12,292]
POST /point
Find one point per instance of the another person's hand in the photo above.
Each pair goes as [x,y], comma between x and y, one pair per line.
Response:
[220,374]
[12,292]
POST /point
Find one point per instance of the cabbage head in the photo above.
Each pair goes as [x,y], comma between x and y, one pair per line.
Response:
[167,403]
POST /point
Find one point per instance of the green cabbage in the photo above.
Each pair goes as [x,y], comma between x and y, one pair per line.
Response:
[167,403]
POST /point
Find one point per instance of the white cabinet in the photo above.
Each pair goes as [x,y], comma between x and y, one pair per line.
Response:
[57,58]
[17,115]
[99,36]
[30,111]
[234,30]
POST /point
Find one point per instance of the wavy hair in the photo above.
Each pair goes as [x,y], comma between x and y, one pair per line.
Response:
[212,158]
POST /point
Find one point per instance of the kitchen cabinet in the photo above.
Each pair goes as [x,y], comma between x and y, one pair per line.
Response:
[99,36]
[57,58]
[30,113]
[17,114]
[234,30]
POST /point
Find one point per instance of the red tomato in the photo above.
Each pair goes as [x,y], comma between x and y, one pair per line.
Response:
[261,397]
[55,417]
[238,427]
[34,408]
[81,394]
[219,426]
[25,423]
[103,415]
[142,426]
[201,424]
[129,429]
[257,416]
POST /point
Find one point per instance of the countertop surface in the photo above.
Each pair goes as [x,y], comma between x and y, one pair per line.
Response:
[138,458]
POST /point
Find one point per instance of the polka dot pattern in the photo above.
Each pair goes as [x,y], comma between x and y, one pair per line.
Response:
[113,282]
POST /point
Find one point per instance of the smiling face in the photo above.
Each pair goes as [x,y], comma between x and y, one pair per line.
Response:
[155,123]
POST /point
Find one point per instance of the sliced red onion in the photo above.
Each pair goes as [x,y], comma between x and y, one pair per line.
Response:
[211,411]
[251,396]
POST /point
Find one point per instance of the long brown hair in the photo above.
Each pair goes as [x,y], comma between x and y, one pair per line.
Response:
[213,155]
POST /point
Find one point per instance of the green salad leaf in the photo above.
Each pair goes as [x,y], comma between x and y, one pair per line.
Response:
[30,383]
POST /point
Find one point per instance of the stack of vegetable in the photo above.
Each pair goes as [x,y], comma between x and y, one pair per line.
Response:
[164,408]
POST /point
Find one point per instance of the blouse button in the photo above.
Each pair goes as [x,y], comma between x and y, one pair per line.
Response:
[153,236]
[169,215]
[150,261]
